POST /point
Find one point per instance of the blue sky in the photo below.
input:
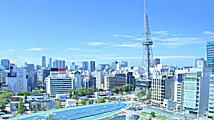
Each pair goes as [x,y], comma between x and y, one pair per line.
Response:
[104,30]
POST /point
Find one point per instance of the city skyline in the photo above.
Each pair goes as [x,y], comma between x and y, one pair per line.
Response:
[102,31]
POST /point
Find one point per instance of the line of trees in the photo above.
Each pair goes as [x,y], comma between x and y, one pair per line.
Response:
[26,93]
[80,92]
[125,88]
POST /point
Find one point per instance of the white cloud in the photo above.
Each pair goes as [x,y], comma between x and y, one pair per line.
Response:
[122,36]
[96,43]
[141,57]
[82,50]
[128,45]
[141,39]
[177,41]
[174,41]
[209,33]
[34,49]
[163,33]
[75,49]
[176,57]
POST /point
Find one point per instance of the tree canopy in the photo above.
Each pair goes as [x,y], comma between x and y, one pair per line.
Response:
[21,107]
[4,97]
[26,93]
[81,92]
[141,93]
[124,88]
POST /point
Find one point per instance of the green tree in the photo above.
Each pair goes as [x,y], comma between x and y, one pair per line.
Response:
[5,95]
[152,114]
[90,91]
[59,105]
[21,107]
[117,89]
[23,93]
[31,107]
[4,98]
[101,100]
[91,101]
[83,102]
[127,87]
[73,93]
[141,93]
[38,106]
[81,92]
[109,99]
[35,92]
[3,104]
[8,90]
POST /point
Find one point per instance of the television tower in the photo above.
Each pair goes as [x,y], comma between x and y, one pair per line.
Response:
[147,46]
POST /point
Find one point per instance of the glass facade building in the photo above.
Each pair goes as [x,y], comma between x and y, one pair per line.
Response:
[190,93]
[196,91]
[210,62]
[210,55]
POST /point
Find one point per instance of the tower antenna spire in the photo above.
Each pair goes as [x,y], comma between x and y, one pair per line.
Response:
[145,6]
[146,22]
[147,52]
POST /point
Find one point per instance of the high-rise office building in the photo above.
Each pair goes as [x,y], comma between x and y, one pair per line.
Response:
[195,91]
[103,66]
[210,55]
[156,61]
[43,62]
[115,64]
[38,67]
[100,80]
[40,76]
[73,66]
[59,64]
[30,67]
[124,64]
[31,80]
[77,80]
[178,88]
[92,65]
[85,65]
[130,79]
[5,63]
[210,64]
[17,81]
[50,63]
[62,64]
[56,63]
